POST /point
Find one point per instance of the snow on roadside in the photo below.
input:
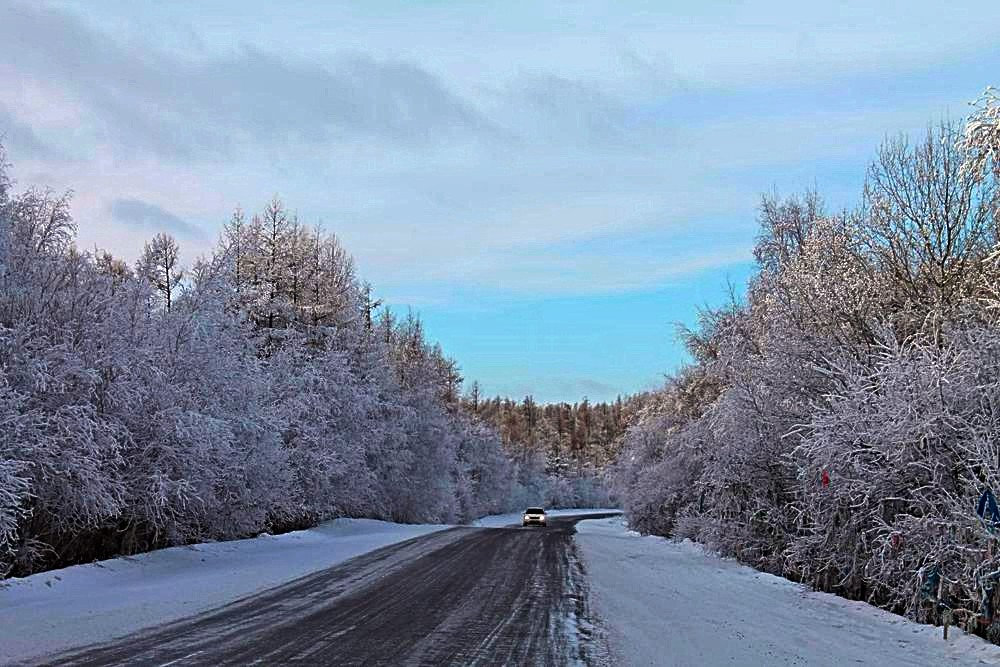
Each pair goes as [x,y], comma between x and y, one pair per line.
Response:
[61,609]
[514,518]
[664,602]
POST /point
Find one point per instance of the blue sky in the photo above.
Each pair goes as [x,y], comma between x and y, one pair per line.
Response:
[551,185]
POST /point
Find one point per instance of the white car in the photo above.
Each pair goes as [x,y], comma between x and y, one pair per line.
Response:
[533,516]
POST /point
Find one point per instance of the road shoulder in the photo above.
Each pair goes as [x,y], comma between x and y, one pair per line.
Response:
[667,601]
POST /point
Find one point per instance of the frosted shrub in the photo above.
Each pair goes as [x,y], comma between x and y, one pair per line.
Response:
[852,424]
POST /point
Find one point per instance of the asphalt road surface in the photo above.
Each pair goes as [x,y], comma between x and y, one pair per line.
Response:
[466,596]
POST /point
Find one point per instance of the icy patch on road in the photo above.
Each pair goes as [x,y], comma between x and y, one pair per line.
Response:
[61,609]
[674,603]
[514,518]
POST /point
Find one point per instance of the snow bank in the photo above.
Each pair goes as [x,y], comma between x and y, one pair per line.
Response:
[56,610]
[514,518]
[673,603]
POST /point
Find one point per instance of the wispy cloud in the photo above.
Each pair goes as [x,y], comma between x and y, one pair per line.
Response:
[19,136]
[149,99]
[557,273]
[150,217]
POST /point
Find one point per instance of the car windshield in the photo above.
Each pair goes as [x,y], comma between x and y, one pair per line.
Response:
[534,510]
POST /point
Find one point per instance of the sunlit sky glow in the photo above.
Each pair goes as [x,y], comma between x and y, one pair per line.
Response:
[551,185]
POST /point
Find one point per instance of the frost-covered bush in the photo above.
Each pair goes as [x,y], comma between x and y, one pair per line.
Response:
[908,444]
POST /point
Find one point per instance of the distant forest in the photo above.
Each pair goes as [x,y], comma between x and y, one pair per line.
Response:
[571,437]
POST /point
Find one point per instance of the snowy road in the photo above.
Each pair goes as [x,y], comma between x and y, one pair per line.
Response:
[465,596]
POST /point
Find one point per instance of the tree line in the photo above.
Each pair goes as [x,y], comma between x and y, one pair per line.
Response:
[840,421]
[261,388]
[571,436]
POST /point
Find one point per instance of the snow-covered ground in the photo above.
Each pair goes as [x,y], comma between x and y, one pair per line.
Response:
[514,518]
[665,602]
[78,605]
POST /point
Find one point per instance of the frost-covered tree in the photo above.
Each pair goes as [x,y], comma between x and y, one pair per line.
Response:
[160,265]
[926,222]
[982,136]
